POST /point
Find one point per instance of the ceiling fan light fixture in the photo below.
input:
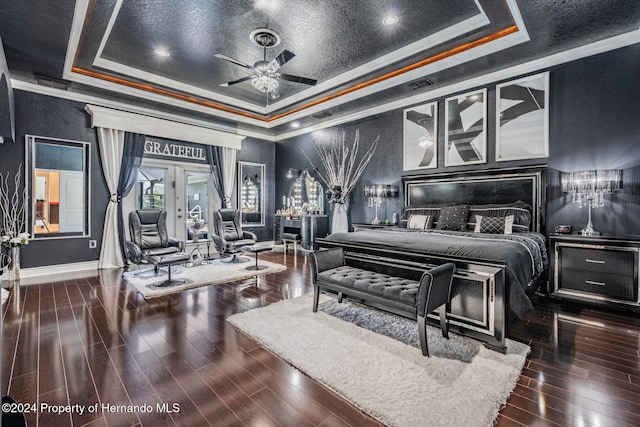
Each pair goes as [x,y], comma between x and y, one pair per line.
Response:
[265,83]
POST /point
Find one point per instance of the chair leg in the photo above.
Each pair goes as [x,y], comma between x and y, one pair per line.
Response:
[316,298]
[422,334]
[444,325]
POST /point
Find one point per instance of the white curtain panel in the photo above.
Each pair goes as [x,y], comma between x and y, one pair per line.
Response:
[111,143]
[229,172]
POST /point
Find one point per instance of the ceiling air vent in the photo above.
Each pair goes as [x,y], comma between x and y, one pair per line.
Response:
[51,82]
[419,84]
[321,115]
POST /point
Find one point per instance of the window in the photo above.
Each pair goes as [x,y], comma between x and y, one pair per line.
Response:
[60,191]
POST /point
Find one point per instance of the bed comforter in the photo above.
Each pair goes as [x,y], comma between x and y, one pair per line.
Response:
[524,254]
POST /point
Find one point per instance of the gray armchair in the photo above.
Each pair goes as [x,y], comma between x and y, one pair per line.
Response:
[150,242]
[229,237]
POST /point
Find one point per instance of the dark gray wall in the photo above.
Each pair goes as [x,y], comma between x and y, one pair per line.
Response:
[594,123]
[59,118]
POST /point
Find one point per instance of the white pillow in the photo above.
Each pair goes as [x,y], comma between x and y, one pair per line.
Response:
[419,222]
[494,224]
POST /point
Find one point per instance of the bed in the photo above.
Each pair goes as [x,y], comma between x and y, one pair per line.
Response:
[488,223]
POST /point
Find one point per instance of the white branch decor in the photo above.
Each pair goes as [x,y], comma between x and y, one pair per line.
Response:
[342,170]
[12,209]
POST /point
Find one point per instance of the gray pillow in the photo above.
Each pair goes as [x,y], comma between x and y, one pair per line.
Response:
[453,218]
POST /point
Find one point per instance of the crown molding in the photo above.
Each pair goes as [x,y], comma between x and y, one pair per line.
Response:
[538,65]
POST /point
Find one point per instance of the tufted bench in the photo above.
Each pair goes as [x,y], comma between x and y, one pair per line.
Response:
[406,297]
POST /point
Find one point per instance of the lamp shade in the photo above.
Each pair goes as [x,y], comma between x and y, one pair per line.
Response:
[590,181]
[380,191]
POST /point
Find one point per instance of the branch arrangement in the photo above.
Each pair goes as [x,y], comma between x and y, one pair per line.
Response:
[13,210]
[342,170]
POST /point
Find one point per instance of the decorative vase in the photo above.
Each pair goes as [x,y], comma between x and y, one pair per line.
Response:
[13,271]
[195,237]
[196,257]
[339,221]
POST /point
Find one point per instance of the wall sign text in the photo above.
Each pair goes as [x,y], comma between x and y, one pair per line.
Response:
[167,149]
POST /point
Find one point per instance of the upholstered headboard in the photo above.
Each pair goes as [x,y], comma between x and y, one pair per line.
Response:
[489,187]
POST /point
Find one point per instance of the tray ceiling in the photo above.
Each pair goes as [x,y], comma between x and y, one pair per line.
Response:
[108,49]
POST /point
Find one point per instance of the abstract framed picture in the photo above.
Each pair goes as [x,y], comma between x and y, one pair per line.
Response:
[522,118]
[420,150]
[466,129]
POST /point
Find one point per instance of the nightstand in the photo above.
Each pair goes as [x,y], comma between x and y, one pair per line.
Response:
[601,270]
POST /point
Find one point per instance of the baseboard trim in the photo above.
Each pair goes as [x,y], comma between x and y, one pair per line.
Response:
[48,270]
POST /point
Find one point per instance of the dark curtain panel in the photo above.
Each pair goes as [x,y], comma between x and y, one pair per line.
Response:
[214,156]
[131,160]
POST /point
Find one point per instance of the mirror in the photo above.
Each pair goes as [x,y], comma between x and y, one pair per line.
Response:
[306,195]
[251,193]
[60,174]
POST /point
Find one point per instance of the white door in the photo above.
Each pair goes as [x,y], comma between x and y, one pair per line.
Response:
[71,202]
[182,190]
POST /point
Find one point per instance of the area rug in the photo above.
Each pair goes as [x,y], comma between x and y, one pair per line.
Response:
[462,384]
[202,275]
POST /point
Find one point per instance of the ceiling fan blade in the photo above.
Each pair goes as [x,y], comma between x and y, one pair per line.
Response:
[298,79]
[233,61]
[284,57]
[244,79]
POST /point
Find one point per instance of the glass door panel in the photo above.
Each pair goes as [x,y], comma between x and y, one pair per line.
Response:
[197,198]
[183,193]
[151,188]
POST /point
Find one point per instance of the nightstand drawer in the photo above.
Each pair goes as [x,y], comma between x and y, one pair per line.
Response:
[616,286]
[598,260]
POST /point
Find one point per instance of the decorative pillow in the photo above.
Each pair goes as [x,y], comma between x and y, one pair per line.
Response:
[453,218]
[520,210]
[494,225]
[419,222]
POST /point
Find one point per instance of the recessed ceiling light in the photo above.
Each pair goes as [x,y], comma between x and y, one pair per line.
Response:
[162,52]
[295,125]
[390,20]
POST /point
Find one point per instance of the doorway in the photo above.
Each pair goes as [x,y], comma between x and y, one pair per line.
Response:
[183,190]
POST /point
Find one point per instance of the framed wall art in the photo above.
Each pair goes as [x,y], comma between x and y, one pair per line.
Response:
[466,129]
[420,149]
[522,118]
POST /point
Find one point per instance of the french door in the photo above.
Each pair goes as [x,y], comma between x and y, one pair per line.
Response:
[182,190]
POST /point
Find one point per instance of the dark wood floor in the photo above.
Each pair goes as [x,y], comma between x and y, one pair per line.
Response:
[92,340]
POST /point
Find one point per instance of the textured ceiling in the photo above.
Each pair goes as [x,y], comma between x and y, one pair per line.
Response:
[106,48]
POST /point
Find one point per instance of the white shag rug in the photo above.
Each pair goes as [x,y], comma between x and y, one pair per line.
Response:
[202,275]
[462,384]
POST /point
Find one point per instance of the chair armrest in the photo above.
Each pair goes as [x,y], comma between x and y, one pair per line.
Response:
[324,260]
[134,253]
[220,243]
[249,235]
[435,288]
[178,243]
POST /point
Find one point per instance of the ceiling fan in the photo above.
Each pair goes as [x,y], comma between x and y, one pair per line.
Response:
[265,77]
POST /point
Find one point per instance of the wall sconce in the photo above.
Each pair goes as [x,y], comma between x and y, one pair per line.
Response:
[375,193]
[290,172]
[589,187]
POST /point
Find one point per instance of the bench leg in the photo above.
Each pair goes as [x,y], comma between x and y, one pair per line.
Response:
[316,297]
[444,325]
[422,334]
[340,297]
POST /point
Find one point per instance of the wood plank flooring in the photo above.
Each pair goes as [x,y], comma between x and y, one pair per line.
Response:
[92,340]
